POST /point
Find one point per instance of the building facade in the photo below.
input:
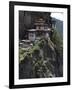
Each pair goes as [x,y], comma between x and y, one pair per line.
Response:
[33,20]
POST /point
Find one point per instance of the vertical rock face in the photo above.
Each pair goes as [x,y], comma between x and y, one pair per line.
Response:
[42,60]
[26,69]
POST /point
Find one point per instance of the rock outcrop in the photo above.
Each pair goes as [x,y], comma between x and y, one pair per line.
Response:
[43,60]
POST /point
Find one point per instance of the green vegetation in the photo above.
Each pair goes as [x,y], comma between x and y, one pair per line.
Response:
[58,41]
[42,63]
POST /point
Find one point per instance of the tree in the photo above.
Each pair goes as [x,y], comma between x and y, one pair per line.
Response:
[57,40]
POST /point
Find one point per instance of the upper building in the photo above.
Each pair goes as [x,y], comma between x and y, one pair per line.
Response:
[41,30]
[33,23]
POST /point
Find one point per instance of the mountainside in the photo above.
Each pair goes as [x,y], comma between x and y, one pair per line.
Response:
[43,59]
[59,26]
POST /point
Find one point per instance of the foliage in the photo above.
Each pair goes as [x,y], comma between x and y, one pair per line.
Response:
[41,65]
[56,38]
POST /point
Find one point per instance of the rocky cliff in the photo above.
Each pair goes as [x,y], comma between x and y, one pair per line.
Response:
[43,60]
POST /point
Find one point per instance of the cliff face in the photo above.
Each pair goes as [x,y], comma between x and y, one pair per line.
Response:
[59,26]
[43,59]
